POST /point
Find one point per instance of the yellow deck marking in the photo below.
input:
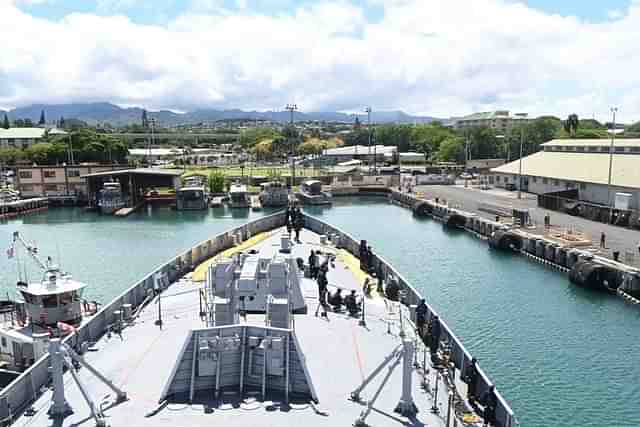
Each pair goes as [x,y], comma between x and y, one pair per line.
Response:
[200,272]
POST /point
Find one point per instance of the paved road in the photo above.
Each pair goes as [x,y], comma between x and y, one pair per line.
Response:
[469,199]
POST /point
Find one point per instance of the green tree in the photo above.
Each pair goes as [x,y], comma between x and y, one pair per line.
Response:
[11,155]
[28,123]
[42,120]
[216,181]
[452,149]
[571,125]
[427,139]
[18,123]
[39,153]
[5,123]
[251,137]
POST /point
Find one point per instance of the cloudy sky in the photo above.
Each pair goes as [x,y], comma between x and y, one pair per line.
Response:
[434,57]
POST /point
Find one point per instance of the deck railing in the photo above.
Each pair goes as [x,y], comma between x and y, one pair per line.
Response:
[25,389]
[504,415]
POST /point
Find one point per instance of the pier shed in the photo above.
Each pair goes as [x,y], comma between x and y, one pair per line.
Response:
[136,183]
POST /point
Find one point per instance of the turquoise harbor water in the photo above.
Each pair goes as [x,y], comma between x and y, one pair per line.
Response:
[561,356]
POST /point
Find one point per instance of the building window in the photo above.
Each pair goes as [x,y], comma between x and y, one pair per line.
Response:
[556,182]
[545,180]
[580,149]
[4,342]
[583,186]
[73,173]
[535,180]
[594,149]
[50,187]
[619,149]
[49,174]
[25,174]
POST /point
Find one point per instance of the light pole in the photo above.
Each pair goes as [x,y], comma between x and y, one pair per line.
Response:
[152,123]
[368,111]
[614,110]
[291,108]
[520,160]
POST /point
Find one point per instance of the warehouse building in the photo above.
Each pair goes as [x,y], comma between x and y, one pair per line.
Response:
[365,153]
[582,166]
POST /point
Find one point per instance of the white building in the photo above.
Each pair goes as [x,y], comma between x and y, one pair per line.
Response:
[195,156]
[24,137]
[501,121]
[578,164]
[360,152]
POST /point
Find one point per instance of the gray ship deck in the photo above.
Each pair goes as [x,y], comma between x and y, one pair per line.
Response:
[339,353]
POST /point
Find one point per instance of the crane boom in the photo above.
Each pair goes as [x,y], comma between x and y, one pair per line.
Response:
[32,251]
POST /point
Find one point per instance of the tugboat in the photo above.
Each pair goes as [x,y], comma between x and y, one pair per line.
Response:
[238,196]
[194,195]
[274,194]
[311,193]
[52,307]
[110,198]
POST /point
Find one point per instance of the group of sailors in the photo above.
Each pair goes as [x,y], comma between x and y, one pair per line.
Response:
[294,220]
[318,269]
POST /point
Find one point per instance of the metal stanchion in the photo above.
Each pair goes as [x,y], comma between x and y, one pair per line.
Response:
[434,408]
[449,408]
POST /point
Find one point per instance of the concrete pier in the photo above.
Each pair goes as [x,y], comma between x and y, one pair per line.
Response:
[23,207]
[622,279]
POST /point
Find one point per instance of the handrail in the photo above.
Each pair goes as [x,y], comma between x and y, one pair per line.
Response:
[504,414]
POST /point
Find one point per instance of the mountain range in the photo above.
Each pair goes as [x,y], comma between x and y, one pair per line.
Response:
[100,112]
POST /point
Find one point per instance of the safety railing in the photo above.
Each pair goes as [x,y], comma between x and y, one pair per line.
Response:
[26,388]
[504,414]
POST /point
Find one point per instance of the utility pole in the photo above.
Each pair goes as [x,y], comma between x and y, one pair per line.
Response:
[291,108]
[520,160]
[368,111]
[152,123]
[614,110]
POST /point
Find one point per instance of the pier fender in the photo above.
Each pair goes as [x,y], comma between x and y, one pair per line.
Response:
[591,275]
[506,241]
[454,220]
[422,209]
[631,283]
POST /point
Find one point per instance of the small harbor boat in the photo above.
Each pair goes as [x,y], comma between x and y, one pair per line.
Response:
[311,193]
[194,195]
[111,198]
[52,306]
[274,194]
[238,196]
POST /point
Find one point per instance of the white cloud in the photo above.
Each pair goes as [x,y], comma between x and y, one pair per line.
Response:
[444,57]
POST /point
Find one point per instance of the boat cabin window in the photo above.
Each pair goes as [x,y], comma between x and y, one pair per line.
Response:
[68,297]
[49,301]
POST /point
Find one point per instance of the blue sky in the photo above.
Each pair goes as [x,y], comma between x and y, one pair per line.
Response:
[160,11]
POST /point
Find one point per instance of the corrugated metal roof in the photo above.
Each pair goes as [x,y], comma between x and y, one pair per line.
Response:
[579,167]
[620,142]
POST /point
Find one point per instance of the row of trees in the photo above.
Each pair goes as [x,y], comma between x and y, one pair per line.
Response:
[87,146]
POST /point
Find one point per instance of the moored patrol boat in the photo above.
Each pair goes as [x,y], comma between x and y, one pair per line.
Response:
[52,306]
[236,335]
